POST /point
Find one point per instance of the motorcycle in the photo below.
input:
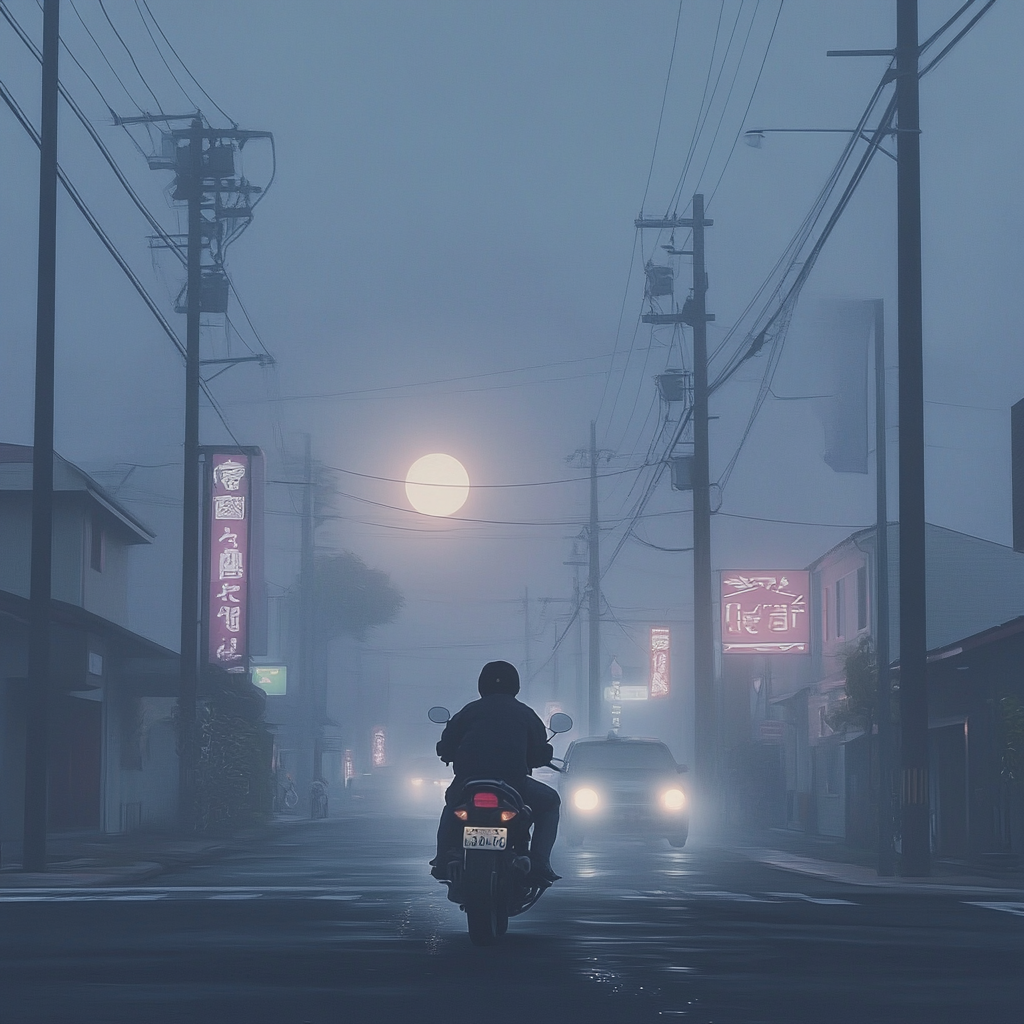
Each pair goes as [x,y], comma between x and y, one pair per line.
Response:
[490,879]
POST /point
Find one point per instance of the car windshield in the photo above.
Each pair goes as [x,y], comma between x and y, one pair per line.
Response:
[621,756]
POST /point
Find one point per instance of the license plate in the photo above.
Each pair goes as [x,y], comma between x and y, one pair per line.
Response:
[484,838]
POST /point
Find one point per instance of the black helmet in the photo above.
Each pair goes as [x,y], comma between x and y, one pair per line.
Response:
[498,677]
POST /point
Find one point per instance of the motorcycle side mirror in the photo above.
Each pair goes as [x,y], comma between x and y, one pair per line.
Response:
[560,722]
[682,768]
[439,715]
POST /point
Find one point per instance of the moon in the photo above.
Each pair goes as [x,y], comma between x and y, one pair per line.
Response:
[437,485]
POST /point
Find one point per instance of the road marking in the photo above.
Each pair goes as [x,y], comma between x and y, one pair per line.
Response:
[152,893]
[735,897]
[1006,908]
[821,901]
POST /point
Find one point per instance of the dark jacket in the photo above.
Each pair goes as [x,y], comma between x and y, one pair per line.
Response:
[495,737]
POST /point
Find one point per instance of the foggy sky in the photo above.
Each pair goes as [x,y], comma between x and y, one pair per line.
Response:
[455,194]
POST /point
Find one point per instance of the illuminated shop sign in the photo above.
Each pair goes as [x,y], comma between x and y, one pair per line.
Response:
[228,519]
[661,662]
[378,751]
[765,612]
[271,679]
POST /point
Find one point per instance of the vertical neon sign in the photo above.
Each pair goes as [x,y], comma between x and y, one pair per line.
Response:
[228,519]
[661,661]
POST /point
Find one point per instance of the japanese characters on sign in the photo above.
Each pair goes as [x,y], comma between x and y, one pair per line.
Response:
[228,546]
[661,661]
[765,612]
[378,750]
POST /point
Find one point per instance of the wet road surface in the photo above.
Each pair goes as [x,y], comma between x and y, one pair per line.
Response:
[338,921]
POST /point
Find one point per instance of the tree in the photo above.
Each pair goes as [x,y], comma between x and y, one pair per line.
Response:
[858,707]
[350,598]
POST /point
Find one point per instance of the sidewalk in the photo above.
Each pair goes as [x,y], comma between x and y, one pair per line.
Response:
[90,859]
[831,860]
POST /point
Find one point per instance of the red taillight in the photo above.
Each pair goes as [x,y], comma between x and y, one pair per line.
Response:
[485,799]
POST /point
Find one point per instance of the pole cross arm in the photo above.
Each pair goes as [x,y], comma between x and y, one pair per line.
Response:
[668,222]
[263,360]
[684,317]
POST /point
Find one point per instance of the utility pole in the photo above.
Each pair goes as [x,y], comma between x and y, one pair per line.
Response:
[705,746]
[189,685]
[886,853]
[594,593]
[913,618]
[916,857]
[36,752]
[307,603]
[694,313]
[219,204]
[577,602]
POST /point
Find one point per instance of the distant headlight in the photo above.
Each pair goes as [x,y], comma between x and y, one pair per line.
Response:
[585,799]
[440,782]
[673,799]
[417,782]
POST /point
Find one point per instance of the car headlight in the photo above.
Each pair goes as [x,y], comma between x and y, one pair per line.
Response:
[417,782]
[673,799]
[585,799]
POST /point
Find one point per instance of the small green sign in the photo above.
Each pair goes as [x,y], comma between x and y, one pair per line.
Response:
[271,679]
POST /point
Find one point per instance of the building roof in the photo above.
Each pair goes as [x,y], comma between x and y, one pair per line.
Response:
[971,582]
[16,475]
[16,607]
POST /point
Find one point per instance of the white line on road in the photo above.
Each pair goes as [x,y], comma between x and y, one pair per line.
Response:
[1006,908]
[151,893]
[821,901]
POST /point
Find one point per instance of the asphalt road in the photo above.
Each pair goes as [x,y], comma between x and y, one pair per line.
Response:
[338,921]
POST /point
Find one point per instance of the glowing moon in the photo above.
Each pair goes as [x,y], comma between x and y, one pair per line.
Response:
[437,485]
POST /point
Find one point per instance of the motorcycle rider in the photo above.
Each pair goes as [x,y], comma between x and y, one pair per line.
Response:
[498,737]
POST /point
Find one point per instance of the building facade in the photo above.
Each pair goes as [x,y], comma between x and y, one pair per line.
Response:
[112,752]
[780,712]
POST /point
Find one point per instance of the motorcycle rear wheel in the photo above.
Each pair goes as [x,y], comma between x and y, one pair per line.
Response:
[485,922]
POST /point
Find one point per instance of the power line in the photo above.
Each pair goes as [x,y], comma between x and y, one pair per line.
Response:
[728,98]
[439,380]
[956,39]
[664,97]
[131,57]
[106,60]
[479,487]
[108,244]
[160,54]
[169,241]
[217,106]
[753,93]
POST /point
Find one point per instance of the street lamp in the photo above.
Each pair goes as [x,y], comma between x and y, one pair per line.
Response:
[755,137]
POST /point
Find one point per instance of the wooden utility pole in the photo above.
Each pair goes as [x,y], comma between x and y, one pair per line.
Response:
[913,617]
[307,599]
[189,683]
[695,314]
[36,728]
[886,854]
[705,746]
[594,593]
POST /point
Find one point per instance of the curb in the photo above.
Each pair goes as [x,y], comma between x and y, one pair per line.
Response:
[855,874]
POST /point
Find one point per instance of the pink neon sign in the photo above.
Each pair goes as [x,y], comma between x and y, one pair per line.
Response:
[765,612]
[228,517]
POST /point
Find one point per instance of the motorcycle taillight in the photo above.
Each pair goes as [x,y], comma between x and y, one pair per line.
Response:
[485,799]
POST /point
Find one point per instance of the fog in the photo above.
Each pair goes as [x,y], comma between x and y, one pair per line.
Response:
[446,262]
